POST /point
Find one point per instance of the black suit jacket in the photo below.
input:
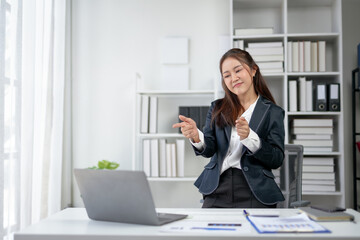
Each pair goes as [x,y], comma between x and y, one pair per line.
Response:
[268,122]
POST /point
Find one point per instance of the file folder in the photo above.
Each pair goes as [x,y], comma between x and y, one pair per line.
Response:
[334,97]
[320,97]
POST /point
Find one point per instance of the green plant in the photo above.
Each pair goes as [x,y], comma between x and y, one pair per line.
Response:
[104,164]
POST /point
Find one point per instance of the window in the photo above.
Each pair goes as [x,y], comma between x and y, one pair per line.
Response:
[10,87]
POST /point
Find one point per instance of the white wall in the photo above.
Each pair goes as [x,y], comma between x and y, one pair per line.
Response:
[114,39]
[351,38]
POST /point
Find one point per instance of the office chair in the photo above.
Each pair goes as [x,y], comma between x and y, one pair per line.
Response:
[291,177]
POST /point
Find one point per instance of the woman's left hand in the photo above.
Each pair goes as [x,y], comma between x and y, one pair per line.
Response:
[242,128]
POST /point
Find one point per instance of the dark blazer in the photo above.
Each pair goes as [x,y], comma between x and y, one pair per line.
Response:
[267,121]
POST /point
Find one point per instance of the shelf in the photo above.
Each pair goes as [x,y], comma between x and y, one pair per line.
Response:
[161,135]
[312,36]
[322,193]
[172,179]
[264,38]
[322,153]
[298,74]
[314,113]
[273,74]
[172,92]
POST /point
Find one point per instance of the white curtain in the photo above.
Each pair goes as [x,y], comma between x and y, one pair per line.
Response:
[42,115]
[41,176]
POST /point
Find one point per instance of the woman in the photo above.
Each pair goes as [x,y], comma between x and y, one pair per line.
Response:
[243,135]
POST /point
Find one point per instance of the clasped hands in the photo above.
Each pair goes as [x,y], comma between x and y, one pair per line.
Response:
[189,129]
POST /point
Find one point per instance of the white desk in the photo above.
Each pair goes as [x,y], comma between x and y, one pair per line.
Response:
[73,223]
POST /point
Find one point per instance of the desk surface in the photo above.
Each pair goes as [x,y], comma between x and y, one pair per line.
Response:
[73,223]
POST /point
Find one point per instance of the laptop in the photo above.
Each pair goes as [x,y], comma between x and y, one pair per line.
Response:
[120,196]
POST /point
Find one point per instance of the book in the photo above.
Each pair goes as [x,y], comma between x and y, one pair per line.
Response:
[318,161]
[265,51]
[314,143]
[168,160]
[154,157]
[311,130]
[309,95]
[318,188]
[314,57]
[268,58]
[326,122]
[318,182]
[275,70]
[318,176]
[180,157]
[289,58]
[314,168]
[173,160]
[302,94]
[313,136]
[321,56]
[239,44]
[253,31]
[318,149]
[265,44]
[319,215]
[295,56]
[292,95]
[153,115]
[270,65]
[307,56]
[146,157]
[301,56]
[144,127]
[162,157]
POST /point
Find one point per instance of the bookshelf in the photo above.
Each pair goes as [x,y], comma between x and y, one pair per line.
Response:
[298,21]
[355,134]
[291,20]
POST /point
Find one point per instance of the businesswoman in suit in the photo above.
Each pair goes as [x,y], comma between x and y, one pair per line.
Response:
[243,136]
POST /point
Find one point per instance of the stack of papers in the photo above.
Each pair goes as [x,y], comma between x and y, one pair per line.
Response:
[298,223]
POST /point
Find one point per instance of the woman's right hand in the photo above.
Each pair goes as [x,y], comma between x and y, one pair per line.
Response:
[188,128]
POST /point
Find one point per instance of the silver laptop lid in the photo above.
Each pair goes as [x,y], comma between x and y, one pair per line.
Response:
[114,195]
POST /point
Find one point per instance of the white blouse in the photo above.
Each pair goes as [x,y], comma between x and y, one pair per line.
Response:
[252,142]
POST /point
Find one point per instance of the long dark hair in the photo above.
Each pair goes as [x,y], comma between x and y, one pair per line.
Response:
[228,108]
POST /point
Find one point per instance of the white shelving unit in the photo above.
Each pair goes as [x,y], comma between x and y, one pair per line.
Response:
[292,20]
[168,111]
[306,20]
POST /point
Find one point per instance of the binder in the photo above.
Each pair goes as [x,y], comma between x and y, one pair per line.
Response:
[320,97]
[194,113]
[334,97]
[203,113]
[183,111]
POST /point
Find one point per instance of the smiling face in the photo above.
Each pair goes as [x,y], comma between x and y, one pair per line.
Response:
[238,77]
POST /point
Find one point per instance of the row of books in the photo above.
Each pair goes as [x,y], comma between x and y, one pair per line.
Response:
[304,96]
[316,135]
[318,174]
[268,52]
[253,31]
[269,56]
[306,56]
[148,118]
[196,113]
[163,159]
